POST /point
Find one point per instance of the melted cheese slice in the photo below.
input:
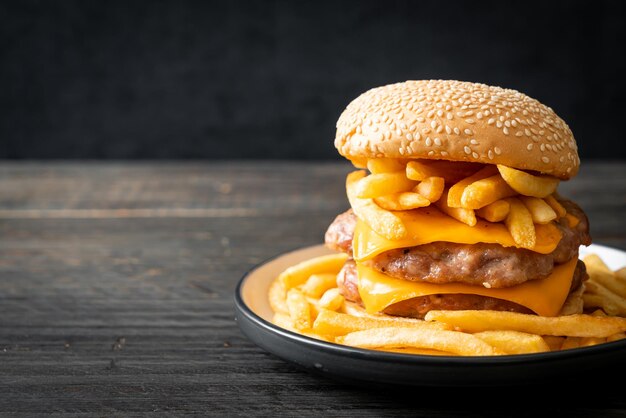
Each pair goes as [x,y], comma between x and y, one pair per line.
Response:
[543,296]
[428,225]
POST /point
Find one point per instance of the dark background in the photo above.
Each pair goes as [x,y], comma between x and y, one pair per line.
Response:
[268,79]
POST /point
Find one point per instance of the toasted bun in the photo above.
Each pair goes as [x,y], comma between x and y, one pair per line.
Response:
[457,121]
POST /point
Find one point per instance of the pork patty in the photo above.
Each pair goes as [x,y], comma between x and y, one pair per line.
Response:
[489,265]
[347,281]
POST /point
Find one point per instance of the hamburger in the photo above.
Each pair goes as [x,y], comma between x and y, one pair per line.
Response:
[455,204]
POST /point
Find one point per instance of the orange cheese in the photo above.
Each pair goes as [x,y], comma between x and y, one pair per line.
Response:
[428,225]
[543,296]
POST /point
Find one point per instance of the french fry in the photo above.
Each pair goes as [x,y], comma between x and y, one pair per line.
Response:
[589,341]
[418,351]
[456,190]
[556,206]
[514,342]
[299,309]
[450,171]
[419,171]
[382,184]
[431,188]
[616,337]
[595,263]
[395,337]
[577,325]
[541,212]
[317,284]
[494,212]
[277,296]
[284,321]
[383,222]
[598,312]
[610,302]
[600,273]
[553,342]
[402,201]
[519,222]
[528,184]
[571,342]
[298,274]
[334,323]
[385,165]
[331,300]
[483,192]
[467,216]
[594,300]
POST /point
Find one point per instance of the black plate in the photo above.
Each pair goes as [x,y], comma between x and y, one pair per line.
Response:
[253,315]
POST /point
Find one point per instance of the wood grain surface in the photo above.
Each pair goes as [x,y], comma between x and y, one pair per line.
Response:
[117,281]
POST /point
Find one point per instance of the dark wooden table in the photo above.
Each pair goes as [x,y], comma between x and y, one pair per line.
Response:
[117,280]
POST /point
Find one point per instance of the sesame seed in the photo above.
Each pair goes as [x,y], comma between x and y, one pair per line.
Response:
[431,153]
[529,147]
[497,150]
[448,130]
[438,142]
[490,154]
[409,136]
[545,160]
[470,121]
[467,150]
[474,154]
[473,142]
[505,130]
[491,121]
[433,124]
[429,142]
[457,131]
[468,131]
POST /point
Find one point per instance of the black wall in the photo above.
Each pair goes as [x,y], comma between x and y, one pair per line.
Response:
[268,79]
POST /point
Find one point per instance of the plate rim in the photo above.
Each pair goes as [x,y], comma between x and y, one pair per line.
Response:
[413,359]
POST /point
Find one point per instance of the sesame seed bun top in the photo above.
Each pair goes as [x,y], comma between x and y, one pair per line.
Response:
[457,121]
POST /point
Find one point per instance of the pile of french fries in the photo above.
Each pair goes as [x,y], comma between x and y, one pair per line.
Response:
[305,299]
[461,190]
